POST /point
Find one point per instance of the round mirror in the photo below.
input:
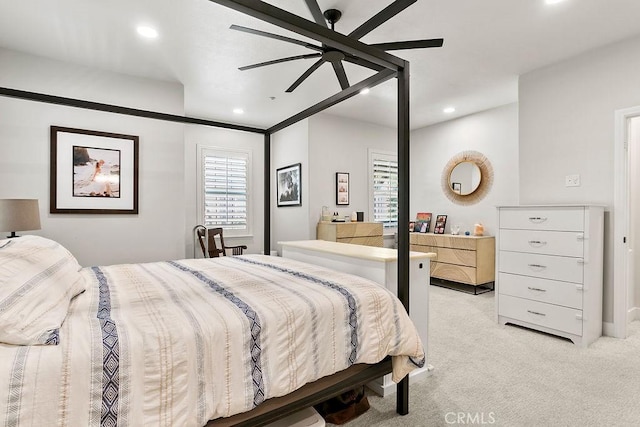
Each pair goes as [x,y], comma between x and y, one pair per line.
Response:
[465,178]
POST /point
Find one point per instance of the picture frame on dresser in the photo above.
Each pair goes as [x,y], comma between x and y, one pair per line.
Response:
[441,223]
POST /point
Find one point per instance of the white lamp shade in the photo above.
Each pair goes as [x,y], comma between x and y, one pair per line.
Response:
[19,215]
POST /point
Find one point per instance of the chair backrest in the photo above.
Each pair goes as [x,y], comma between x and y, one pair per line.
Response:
[214,252]
[213,249]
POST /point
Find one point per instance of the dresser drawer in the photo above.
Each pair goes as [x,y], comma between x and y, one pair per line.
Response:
[538,313]
[559,219]
[455,273]
[565,243]
[543,266]
[550,291]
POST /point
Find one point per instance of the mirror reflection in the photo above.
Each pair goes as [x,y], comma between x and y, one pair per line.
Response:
[465,178]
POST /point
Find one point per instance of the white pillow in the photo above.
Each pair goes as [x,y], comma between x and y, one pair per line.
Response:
[38,279]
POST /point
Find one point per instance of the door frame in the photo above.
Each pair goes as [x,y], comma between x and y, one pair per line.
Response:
[622,261]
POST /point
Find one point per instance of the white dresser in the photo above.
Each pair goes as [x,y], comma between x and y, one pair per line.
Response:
[549,269]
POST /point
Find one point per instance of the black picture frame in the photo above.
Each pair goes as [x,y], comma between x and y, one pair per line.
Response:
[289,185]
[440,224]
[342,188]
[93,172]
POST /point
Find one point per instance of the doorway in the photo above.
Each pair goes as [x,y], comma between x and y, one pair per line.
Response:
[627,221]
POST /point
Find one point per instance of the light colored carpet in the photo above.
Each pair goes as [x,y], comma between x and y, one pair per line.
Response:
[488,374]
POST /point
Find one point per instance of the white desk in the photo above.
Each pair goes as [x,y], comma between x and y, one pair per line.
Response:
[381,266]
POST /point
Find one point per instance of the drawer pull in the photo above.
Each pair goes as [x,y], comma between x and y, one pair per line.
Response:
[538,266]
[536,313]
[537,219]
[580,287]
[537,243]
[536,289]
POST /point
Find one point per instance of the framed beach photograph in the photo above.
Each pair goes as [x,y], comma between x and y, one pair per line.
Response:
[342,188]
[289,188]
[425,221]
[93,172]
[441,223]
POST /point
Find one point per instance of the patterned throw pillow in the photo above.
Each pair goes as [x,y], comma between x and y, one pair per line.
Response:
[38,279]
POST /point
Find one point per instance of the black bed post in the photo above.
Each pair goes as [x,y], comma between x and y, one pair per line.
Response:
[402,400]
[267,193]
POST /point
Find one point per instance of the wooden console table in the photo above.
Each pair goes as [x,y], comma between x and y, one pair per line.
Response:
[462,259]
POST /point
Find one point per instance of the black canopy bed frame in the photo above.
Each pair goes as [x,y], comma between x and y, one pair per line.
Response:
[386,66]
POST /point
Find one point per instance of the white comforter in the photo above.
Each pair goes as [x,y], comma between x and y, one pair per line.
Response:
[178,343]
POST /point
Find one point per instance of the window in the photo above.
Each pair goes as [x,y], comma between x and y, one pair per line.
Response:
[383,173]
[224,190]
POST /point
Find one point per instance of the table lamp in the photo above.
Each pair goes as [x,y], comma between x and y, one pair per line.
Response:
[19,215]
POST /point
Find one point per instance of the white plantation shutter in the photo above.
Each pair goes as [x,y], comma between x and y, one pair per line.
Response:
[384,171]
[225,198]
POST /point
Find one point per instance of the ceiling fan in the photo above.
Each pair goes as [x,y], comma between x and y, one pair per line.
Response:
[335,56]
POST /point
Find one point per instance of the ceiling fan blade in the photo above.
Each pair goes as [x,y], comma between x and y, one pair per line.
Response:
[341,74]
[277,61]
[385,14]
[306,74]
[275,36]
[410,44]
[316,12]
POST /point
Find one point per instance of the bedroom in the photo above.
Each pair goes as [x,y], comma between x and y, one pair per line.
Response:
[584,91]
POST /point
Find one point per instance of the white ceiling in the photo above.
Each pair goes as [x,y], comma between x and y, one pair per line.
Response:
[488,44]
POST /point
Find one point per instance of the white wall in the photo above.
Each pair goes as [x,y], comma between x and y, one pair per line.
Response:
[157,232]
[337,144]
[228,139]
[493,133]
[567,127]
[290,146]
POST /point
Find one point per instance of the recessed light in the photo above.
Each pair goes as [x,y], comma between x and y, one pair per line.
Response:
[365,91]
[148,32]
[238,111]
[449,110]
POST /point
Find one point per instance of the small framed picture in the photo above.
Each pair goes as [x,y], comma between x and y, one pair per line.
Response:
[342,188]
[441,223]
[456,187]
[425,220]
[412,225]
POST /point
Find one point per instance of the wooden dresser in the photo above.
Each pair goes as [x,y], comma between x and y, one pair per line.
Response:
[463,259]
[358,233]
[550,269]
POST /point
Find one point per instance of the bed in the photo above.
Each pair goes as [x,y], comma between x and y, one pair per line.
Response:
[181,342]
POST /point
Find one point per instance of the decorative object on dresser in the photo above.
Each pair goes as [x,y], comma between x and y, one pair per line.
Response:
[342,188]
[424,221]
[359,233]
[550,269]
[441,223]
[466,260]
